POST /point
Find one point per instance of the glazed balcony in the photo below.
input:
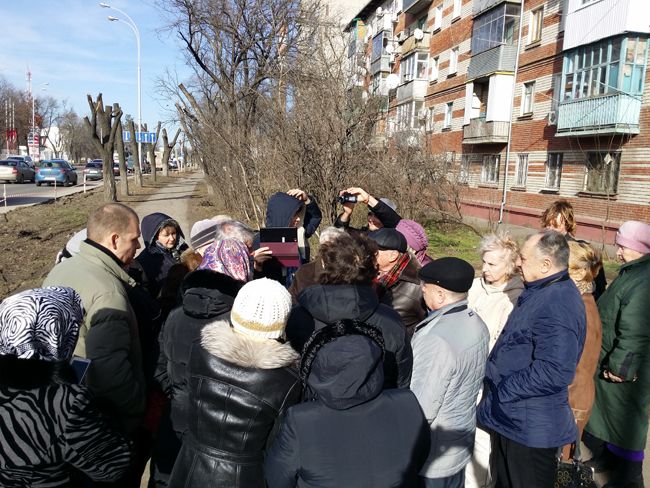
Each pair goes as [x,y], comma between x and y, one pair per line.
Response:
[617,113]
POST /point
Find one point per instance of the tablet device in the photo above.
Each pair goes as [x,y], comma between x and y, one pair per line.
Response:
[80,367]
[283,242]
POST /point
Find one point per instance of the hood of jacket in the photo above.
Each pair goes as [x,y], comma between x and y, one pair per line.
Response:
[152,223]
[280,209]
[208,294]
[347,372]
[514,283]
[329,303]
[220,340]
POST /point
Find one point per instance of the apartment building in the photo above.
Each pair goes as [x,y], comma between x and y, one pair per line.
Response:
[530,101]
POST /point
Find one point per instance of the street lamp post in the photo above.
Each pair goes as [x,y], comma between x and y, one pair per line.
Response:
[135,30]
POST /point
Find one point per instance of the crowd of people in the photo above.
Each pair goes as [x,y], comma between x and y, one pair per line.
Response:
[367,363]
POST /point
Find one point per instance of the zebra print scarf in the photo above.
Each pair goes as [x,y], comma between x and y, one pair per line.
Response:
[42,323]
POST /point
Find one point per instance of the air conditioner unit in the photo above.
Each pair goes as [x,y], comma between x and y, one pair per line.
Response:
[394,18]
[552,117]
[391,59]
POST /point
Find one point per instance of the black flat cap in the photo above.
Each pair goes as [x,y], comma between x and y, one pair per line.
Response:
[389,239]
[452,274]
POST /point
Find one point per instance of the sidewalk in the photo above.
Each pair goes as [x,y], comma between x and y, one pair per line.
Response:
[173,199]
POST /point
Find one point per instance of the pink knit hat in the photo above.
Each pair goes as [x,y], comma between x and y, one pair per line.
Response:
[634,235]
[416,238]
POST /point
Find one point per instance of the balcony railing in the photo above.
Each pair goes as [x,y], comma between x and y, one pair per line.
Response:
[414,6]
[481,132]
[500,58]
[381,64]
[414,89]
[412,44]
[610,114]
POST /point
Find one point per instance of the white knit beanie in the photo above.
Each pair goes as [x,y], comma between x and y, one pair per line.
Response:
[261,309]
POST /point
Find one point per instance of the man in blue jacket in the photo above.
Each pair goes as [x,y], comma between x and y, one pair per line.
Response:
[525,403]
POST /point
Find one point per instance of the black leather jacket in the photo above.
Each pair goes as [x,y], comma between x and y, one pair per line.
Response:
[239,390]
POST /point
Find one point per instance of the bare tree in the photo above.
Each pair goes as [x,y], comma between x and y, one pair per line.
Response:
[167,149]
[137,168]
[102,127]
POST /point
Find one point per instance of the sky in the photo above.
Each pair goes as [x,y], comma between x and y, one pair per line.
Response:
[73,50]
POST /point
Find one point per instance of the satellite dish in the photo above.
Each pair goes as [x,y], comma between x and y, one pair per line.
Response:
[380,11]
[390,49]
[392,80]
[418,34]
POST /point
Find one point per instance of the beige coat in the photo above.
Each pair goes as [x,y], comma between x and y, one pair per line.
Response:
[494,303]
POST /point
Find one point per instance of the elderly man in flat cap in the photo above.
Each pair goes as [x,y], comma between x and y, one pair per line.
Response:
[450,348]
[398,282]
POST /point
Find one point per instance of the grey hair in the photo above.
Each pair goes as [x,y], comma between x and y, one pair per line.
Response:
[553,245]
[502,242]
[329,234]
[234,229]
[455,296]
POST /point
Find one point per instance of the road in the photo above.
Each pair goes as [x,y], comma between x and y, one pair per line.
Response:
[18,195]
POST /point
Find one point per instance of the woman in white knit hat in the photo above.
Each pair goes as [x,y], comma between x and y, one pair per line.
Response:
[242,377]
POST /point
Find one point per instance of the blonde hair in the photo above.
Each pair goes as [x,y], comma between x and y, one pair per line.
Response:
[502,242]
[584,257]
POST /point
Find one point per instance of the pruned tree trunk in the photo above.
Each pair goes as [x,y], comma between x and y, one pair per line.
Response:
[136,154]
[124,184]
[167,150]
[102,127]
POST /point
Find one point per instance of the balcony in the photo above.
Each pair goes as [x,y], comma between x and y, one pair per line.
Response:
[610,114]
[355,46]
[407,138]
[414,6]
[411,44]
[381,64]
[500,58]
[414,89]
[481,132]
[479,6]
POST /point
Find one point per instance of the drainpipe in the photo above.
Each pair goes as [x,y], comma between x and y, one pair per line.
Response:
[512,108]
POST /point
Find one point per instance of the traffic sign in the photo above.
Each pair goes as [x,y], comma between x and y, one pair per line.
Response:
[143,137]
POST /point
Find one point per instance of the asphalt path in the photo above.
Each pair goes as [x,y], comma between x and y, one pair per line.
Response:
[13,195]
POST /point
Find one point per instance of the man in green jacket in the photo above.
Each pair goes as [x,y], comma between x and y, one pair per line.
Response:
[618,426]
[109,335]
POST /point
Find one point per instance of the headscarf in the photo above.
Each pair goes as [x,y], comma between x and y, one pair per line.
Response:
[42,323]
[229,257]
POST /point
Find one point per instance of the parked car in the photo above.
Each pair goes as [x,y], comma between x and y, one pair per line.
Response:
[116,169]
[94,170]
[15,171]
[57,171]
[24,159]
[173,165]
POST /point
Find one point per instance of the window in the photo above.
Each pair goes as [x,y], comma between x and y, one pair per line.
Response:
[448,115]
[495,27]
[490,169]
[528,98]
[453,61]
[437,17]
[521,171]
[408,114]
[433,69]
[605,67]
[379,43]
[535,26]
[450,158]
[415,67]
[602,172]
[463,175]
[430,119]
[553,171]
[457,7]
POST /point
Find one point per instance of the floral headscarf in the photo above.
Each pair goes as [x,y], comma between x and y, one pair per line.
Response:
[229,257]
[42,323]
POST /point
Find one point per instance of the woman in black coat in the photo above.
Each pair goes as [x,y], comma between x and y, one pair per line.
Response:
[351,433]
[49,425]
[241,381]
[346,292]
[208,294]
